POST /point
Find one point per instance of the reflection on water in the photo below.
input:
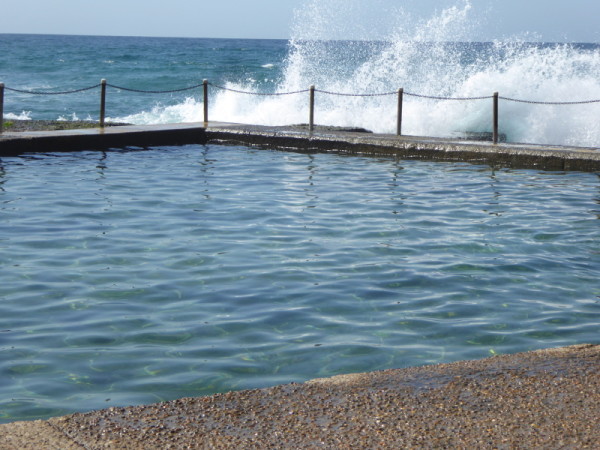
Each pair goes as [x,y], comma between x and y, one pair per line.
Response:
[129,277]
[2,173]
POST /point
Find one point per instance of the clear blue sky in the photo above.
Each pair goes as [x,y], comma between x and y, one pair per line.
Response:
[551,20]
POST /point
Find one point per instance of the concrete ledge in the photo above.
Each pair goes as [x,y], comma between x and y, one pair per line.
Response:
[412,147]
[323,140]
[16,143]
[540,399]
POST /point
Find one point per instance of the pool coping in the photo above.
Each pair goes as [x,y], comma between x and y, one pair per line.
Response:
[540,399]
[296,138]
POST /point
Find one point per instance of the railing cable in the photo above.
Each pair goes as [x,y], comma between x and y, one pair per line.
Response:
[143,91]
[433,97]
[257,93]
[23,91]
[342,94]
[534,102]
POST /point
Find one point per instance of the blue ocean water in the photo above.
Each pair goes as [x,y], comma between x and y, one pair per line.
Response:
[540,72]
[62,63]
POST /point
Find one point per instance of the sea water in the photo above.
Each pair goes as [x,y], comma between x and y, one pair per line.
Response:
[130,277]
[334,50]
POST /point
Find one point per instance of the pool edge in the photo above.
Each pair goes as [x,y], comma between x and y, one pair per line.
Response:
[545,157]
[544,398]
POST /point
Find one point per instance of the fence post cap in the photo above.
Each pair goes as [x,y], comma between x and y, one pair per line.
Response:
[103,81]
[1,85]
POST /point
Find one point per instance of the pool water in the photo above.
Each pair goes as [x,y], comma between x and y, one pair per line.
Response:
[134,276]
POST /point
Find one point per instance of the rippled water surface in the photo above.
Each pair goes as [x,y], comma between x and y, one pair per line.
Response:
[131,277]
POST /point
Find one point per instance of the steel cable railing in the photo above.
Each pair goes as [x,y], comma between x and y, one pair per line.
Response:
[400,93]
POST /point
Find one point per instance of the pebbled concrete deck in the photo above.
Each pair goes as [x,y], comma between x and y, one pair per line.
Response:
[323,139]
[541,399]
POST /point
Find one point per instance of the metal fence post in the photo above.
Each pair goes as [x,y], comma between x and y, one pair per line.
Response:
[400,101]
[495,123]
[1,107]
[205,89]
[102,102]
[311,114]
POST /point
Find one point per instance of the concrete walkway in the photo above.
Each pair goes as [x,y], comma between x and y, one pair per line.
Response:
[336,140]
[540,399]
[18,142]
[297,138]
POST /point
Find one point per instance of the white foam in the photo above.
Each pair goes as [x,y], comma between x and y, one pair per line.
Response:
[415,54]
[418,58]
[25,115]
[73,117]
[190,110]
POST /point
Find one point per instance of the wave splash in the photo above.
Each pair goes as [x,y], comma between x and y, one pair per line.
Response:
[344,46]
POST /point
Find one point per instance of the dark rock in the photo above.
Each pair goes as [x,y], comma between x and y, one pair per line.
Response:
[50,125]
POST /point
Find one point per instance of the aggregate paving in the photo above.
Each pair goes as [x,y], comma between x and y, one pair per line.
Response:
[540,399]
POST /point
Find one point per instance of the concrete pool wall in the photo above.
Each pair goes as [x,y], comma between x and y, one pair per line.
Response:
[296,138]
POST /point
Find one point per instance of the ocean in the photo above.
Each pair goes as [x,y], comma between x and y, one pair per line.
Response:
[239,69]
[133,276]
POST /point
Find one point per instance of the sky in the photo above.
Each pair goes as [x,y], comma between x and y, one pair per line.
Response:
[545,20]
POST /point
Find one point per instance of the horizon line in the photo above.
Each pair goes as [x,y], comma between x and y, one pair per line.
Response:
[284,39]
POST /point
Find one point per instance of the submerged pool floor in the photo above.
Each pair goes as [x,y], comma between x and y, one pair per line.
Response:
[129,277]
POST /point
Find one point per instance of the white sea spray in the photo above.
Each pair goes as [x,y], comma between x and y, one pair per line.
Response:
[352,47]
[429,57]
[25,115]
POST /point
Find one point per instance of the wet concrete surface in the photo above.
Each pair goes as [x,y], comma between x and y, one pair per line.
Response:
[48,141]
[325,139]
[540,399]
[298,138]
